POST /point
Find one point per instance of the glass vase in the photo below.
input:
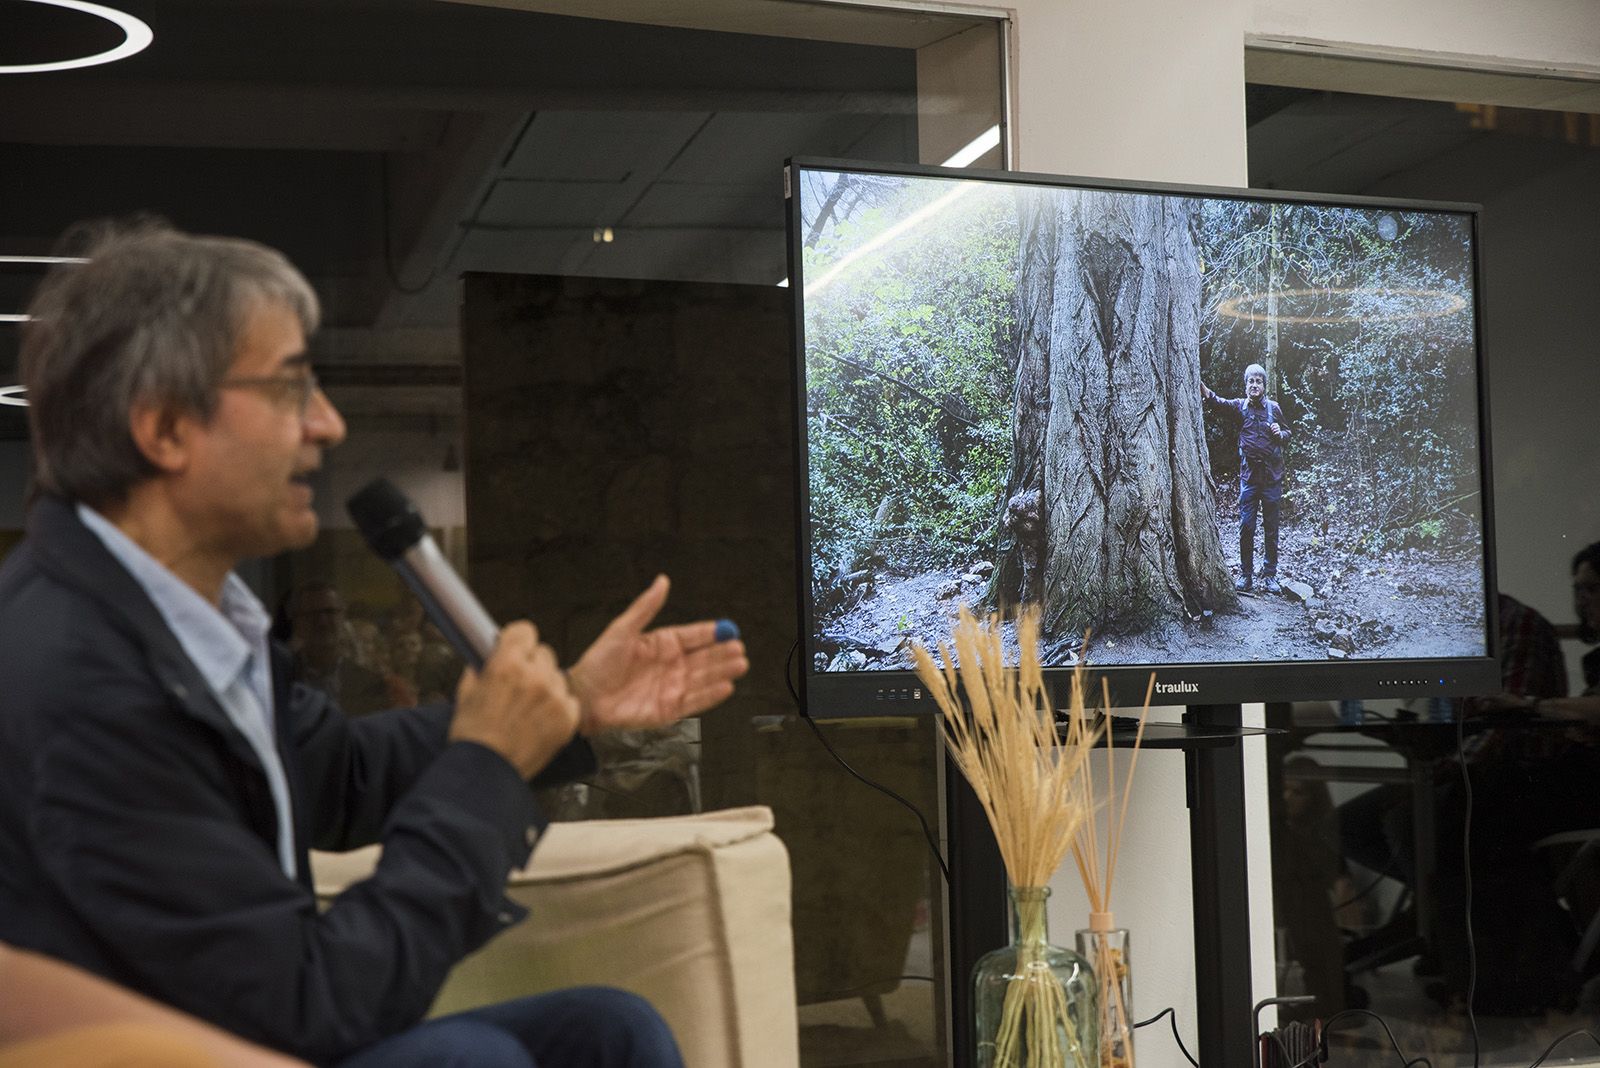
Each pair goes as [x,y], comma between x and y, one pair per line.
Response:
[1035,1002]
[1105,947]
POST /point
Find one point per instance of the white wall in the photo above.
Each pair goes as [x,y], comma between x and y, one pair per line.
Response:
[1150,89]
[1150,898]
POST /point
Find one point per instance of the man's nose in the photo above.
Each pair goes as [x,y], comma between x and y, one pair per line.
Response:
[323,423]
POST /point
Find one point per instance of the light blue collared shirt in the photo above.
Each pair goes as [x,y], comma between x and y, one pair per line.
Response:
[228,647]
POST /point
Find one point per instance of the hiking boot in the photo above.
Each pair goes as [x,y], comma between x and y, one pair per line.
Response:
[1242,583]
[1270,584]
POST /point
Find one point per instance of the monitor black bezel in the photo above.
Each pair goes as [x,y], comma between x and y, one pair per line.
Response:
[899,692]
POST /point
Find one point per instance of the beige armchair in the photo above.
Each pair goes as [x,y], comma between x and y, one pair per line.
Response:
[691,912]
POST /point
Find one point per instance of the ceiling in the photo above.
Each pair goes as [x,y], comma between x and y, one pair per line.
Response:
[389,146]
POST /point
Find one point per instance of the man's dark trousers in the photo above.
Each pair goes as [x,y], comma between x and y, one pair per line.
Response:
[1268,498]
[583,1027]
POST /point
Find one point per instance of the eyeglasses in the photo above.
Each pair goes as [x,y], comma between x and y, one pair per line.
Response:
[290,392]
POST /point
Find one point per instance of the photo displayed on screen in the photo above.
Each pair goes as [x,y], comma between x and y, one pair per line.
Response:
[1197,429]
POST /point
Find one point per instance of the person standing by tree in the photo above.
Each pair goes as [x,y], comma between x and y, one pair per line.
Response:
[1262,432]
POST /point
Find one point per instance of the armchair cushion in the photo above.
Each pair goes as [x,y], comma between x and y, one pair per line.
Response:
[691,912]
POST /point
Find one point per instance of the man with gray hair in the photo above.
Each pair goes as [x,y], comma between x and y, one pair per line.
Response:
[1262,432]
[161,778]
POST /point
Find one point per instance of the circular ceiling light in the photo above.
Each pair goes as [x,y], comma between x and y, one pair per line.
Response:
[13,395]
[136,37]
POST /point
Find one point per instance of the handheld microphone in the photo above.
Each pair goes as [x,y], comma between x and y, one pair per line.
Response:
[394,529]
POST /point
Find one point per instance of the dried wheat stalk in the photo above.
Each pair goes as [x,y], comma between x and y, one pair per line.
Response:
[1004,740]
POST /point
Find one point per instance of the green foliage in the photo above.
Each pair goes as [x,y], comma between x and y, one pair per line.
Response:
[908,410]
[1374,349]
[1428,530]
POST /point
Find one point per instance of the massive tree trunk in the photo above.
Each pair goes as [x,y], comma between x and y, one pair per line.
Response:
[1109,504]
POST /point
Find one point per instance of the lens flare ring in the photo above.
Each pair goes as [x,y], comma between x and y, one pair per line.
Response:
[1445,303]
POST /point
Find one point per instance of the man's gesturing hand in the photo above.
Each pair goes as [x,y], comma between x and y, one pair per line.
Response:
[631,677]
[518,704]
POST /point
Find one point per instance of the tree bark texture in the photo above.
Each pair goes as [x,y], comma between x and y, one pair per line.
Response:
[1109,447]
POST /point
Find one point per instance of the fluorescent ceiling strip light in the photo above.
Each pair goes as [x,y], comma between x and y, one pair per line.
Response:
[11,317]
[990,138]
[136,37]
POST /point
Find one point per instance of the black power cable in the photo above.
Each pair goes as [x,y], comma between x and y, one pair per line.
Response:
[927,832]
[1551,1048]
[1369,888]
[1172,1018]
[1321,1053]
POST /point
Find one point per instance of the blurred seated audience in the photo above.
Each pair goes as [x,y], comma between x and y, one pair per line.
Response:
[1515,802]
[405,652]
[324,648]
[1310,883]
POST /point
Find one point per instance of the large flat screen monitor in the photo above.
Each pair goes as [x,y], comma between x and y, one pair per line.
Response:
[1233,437]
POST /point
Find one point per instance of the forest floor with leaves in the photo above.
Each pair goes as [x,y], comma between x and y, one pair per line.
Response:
[1416,601]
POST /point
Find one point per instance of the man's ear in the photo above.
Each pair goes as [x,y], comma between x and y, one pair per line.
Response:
[162,433]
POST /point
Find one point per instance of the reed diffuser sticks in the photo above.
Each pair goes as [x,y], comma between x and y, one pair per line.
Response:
[1105,949]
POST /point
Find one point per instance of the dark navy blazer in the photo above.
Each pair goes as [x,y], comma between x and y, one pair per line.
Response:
[137,832]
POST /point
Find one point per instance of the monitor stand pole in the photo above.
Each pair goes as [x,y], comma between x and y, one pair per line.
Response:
[978,905]
[1215,779]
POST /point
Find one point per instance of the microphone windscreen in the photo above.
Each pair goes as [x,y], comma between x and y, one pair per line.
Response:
[386,518]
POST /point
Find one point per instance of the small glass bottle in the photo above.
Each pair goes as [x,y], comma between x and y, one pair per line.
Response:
[1035,1002]
[1105,946]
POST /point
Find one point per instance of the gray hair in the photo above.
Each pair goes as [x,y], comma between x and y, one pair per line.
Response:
[1255,369]
[153,318]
